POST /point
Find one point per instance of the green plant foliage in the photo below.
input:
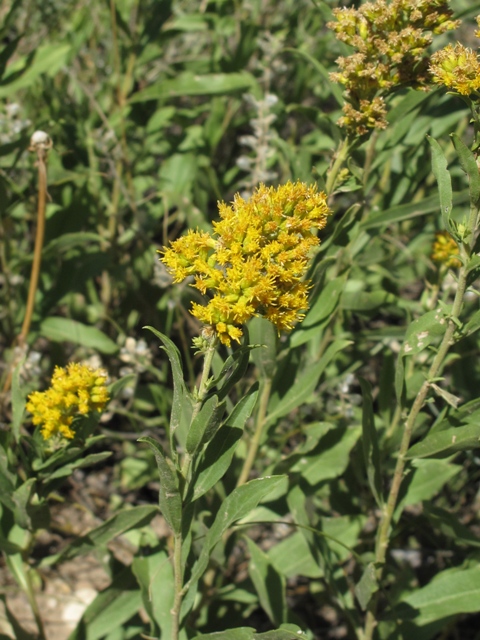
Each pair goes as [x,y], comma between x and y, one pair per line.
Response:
[313,483]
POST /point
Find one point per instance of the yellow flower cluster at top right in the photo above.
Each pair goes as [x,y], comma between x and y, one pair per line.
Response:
[457,67]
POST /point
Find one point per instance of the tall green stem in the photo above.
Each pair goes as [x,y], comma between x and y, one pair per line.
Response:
[41,149]
[200,396]
[334,170]
[257,436]
[40,144]
[185,471]
[383,536]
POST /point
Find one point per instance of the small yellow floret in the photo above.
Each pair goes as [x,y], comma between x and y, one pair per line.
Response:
[77,389]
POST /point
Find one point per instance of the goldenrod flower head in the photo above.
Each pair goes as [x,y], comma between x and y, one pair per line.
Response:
[254,262]
[445,250]
[477,32]
[369,115]
[456,67]
[390,40]
[75,390]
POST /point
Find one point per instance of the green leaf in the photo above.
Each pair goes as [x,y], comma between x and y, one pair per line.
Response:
[235,506]
[88,461]
[19,632]
[123,521]
[216,460]
[410,101]
[427,479]
[366,301]
[218,455]
[60,329]
[304,386]
[472,326]
[449,593]
[21,498]
[293,557]
[9,547]
[442,444]
[469,165]
[268,582]
[169,495]
[336,91]
[111,609]
[119,385]
[422,331]
[234,367]
[444,181]
[367,586]
[449,525]
[154,573]
[333,457]
[262,332]
[64,455]
[188,83]
[7,482]
[18,402]
[47,59]
[68,240]
[398,213]
[286,632]
[181,402]
[323,307]
[241,633]
[371,453]
[205,424]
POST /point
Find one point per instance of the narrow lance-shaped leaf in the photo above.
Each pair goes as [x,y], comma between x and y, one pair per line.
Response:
[444,181]
[441,444]
[263,333]
[18,402]
[218,454]
[401,212]
[367,586]
[237,505]
[469,165]
[370,443]
[205,424]
[269,584]
[234,368]
[306,383]
[451,592]
[181,396]
[116,525]
[170,498]
[67,330]
[154,573]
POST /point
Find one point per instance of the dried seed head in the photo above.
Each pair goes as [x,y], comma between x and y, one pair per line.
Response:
[40,140]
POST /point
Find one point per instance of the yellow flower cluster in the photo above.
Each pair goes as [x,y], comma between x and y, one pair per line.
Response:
[254,262]
[77,389]
[445,250]
[457,68]
[390,42]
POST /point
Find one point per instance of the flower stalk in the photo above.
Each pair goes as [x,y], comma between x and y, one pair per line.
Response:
[41,145]
[384,530]
[258,433]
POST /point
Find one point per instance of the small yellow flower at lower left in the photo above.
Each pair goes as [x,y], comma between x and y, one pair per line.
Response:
[74,390]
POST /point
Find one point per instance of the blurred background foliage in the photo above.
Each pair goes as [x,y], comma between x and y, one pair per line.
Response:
[158,109]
